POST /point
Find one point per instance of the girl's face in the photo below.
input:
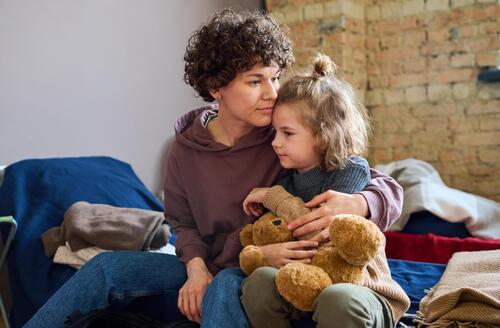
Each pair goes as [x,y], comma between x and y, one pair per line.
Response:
[249,98]
[294,143]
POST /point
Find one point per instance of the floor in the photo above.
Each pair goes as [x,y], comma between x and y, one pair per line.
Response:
[1,322]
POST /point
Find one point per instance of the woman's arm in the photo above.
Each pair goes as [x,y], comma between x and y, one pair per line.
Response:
[384,197]
[178,214]
[381,202]
[192,292]
[189,246]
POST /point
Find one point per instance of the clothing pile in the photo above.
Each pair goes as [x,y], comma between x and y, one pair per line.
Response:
[89,229]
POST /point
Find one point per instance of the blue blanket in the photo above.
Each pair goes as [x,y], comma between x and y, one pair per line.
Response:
[415,278]
[37,193]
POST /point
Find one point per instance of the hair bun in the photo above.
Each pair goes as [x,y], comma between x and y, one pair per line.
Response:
[324,66]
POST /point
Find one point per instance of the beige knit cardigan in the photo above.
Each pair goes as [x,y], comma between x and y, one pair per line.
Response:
[378,278]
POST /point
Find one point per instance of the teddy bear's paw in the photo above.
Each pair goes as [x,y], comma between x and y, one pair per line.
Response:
[300,284]
[357,239]
[251,258]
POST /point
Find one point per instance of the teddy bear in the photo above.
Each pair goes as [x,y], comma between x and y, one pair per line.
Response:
[354,242]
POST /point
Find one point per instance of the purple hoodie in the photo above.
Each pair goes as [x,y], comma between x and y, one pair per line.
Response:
[206,182]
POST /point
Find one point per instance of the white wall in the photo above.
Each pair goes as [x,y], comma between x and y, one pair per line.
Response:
[96,77]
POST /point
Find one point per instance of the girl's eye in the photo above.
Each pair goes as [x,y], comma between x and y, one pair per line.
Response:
[288,134]
[254,83]
[275,79]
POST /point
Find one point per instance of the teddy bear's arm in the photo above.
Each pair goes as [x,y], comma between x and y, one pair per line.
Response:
[284,204]
[246,235]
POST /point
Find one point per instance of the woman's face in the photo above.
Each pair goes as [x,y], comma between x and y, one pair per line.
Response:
[250,96]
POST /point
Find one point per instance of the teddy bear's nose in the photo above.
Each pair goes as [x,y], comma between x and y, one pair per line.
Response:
[277,222]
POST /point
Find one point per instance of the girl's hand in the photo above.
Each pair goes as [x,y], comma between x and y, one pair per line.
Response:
[319,219]
[252,205]
[280,254]
[191,293]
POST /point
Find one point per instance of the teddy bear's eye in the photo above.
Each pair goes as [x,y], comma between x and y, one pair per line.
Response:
[277,222]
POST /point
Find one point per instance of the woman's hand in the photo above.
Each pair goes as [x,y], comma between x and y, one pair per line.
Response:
[280,254]
[191,293]
[252,205]
[332,203]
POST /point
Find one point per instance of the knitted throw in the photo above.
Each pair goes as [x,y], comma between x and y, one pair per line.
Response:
[468,293]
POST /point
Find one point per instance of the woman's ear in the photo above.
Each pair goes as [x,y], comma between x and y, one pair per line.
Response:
[216,94]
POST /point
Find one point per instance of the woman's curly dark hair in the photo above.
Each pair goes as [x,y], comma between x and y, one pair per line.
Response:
[233,42]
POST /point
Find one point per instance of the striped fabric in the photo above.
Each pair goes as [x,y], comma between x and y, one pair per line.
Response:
[468,294]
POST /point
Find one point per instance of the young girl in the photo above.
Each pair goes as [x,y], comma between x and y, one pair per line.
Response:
[321,129]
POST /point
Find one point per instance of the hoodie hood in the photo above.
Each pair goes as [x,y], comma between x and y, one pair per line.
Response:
[190,131]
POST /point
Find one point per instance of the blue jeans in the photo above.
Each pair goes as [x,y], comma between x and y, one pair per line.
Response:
[121,278]
[221,307]
[143,282]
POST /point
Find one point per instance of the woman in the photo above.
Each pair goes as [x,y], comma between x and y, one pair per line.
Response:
[221,152]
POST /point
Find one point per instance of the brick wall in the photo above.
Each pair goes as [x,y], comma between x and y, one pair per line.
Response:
[415,64]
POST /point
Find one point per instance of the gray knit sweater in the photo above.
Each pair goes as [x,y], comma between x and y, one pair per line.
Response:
[352,178]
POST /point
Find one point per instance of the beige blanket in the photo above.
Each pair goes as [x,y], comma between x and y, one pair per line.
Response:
[468,293]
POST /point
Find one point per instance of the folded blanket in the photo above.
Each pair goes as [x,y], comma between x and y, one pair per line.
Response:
[425,190]
[468,293]
[107,227]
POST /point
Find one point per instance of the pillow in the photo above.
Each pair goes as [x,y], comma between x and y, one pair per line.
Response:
[36,193]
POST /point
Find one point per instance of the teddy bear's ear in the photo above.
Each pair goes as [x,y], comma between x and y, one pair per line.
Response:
[246,235]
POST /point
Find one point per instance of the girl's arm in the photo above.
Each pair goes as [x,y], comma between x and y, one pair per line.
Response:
[252,205]
[280,254]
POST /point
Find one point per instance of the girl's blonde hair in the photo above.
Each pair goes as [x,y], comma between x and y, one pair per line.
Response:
[332,112]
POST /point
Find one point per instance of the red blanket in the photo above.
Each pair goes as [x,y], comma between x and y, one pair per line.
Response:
[432,248]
